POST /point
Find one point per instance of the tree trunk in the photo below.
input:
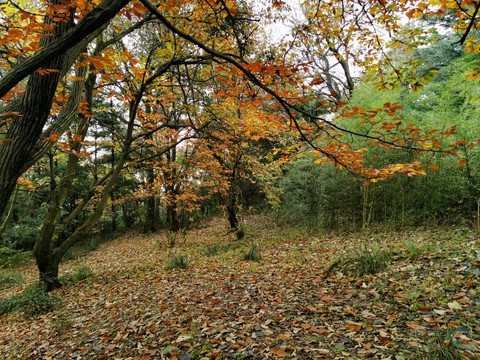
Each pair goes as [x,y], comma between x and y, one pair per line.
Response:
[150,225]
[94,20]
[9,216]
[48,271]
[128,213]
[26,129]
[171,191]
[173,224]
[232,213]
[48,251]
[231,198]
[46,256]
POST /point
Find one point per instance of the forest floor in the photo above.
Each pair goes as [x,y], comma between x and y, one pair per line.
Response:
[128,306]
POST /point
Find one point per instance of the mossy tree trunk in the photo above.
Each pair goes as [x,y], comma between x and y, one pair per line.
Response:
[45,250]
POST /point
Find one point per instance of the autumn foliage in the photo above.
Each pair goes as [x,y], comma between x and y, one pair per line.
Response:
[191,99]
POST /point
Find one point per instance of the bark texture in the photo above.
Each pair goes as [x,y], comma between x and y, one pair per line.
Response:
[60,44]
[34,106]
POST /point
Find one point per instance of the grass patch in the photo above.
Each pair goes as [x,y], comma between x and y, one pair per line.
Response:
[362,262]
[33,301]
[253,254]
[216,249]
[7,278]
[10,257]
[414,251]
[213,250]
[443,346]
[79,274]
[177,261]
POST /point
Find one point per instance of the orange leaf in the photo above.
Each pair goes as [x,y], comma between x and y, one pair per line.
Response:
[285,336]
[279,352]
[462,162]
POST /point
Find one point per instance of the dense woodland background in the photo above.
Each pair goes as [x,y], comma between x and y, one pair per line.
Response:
[176,176]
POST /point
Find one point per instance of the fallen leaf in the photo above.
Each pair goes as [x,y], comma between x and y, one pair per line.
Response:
[280,352]
[454,305]
[183,338]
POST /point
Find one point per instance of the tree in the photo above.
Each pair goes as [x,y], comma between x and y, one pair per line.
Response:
[137,81]
[48,249]
[230,148]
[27,115]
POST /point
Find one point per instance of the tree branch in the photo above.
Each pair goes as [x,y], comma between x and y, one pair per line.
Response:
[91,22]
[470,25]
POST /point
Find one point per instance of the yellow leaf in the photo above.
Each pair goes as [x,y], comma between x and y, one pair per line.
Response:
[454,305]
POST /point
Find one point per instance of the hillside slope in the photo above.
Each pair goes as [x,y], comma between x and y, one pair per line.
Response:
[130,307]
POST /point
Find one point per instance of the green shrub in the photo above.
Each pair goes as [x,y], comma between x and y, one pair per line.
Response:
[82,273]
[443,346]
[362,262]
[253,254]
[23,235]
[316,196]
[177,262]
[240,233]
[7,278]
[10,257]
[33,301]
[90,245]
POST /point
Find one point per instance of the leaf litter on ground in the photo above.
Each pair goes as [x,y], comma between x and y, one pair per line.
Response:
[283,306]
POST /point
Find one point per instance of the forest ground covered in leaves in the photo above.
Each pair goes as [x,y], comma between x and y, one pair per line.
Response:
[120,301]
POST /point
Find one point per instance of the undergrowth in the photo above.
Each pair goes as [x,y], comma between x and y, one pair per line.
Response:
[177,261]
[362,262]
[443,346]
[253,254]
[11,258]
[7,278]
[216,249]
[32,301]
